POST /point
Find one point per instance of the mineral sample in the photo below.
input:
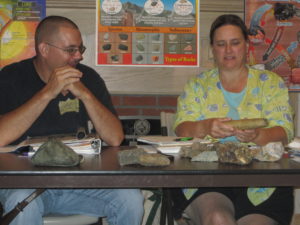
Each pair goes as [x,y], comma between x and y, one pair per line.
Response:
[195,149]
[172,37]
[140,36]
[106,47]
[106,36]
[206,156]
[271,152]
[235,153]
[141,157]
[55,153]
[155,48]
[139,58]
[172,48]
[115,58]
[140,47]
[123,47]
[123,37]
[155,58]
[188,37]
[156,37]
[188,48]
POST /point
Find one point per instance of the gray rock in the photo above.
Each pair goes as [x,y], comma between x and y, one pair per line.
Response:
[55,153]
[141,157]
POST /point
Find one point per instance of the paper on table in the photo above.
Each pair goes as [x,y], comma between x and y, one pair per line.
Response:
[295,144]
[28,147]
[168,140]
[168,149]
[82,146]
[169,144]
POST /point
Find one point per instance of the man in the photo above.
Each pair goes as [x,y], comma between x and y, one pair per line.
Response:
[51,94]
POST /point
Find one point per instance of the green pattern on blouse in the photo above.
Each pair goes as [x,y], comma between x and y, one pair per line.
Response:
[266,96]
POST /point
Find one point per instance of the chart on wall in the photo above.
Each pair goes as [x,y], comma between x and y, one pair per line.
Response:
[274,34]
[147,33]
[18,20]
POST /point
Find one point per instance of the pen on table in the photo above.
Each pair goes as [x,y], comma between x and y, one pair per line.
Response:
[184,139]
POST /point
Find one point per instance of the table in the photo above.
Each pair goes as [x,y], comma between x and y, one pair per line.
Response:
[104,171]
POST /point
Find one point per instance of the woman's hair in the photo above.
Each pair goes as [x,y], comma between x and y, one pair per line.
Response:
[228,19]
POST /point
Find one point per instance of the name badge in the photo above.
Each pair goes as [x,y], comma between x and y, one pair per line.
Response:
[68,106]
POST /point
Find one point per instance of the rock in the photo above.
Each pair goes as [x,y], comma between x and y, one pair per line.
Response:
[271,152]
[141,157]
[55,153]
[195,149]
[206,156]
[235,153]
[153,160]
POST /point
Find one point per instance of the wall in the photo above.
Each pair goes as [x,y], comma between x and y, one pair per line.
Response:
[156,84]
[133,80]
[142,91]
[144,105]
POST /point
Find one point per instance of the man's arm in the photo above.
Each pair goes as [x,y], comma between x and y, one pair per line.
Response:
[16,122]
[107,125]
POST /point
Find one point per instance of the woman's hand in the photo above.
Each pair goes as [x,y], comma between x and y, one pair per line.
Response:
[246,135]
[217,129]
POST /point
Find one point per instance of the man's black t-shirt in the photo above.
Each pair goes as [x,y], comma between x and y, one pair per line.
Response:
[19,82]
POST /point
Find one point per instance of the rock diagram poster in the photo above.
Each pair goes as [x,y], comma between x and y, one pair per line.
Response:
[274,28]
[147,32]
[18,20]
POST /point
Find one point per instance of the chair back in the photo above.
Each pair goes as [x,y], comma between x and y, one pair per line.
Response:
[167,120]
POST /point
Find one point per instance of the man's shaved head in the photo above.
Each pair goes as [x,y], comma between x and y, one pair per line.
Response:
[49,27]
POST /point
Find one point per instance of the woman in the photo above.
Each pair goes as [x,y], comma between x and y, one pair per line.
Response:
[233,90]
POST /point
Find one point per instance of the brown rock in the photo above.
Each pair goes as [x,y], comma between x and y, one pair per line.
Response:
[235,153]
[141,157]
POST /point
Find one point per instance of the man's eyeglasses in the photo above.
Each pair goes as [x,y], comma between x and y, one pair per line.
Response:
[70,50]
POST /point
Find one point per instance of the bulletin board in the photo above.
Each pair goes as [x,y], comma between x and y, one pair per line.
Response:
[147,33]
[274,33]
[18,20]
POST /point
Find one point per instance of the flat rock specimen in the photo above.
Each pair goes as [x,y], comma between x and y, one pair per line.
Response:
[141,157]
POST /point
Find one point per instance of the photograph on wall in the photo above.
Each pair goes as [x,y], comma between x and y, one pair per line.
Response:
[274,35]
[147,32]
[18,21]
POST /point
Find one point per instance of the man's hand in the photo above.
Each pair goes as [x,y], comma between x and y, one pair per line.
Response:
[78,90]
[61,78]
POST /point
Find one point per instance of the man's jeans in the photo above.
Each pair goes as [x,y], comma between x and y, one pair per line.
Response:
[120,206]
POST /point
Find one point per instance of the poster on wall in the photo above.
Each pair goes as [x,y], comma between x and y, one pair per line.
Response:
[274,34]
[147,33]
[18,21]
